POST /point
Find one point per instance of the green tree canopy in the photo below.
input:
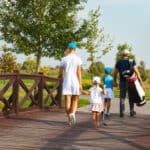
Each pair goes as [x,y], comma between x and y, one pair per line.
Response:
[97,68]
[142,70]
[121,48]
[97,43]
[41,27]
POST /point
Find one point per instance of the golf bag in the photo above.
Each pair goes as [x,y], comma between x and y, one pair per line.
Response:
[136,92]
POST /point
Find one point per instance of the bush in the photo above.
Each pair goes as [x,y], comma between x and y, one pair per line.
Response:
[86,84]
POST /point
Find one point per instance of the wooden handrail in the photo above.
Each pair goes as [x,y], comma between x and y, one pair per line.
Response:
[14,103]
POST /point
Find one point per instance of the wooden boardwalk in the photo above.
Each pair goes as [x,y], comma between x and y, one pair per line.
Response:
[48,130]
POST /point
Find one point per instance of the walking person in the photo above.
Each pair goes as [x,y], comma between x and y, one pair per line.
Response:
[126,68]
[71,66]
[96,102]
[108,81]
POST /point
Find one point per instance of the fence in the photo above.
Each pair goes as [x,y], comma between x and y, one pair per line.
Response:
[37,94]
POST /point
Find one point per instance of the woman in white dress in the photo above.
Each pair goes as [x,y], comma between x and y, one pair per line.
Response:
[71,66]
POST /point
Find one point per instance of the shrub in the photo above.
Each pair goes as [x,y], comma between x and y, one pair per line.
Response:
[86,84]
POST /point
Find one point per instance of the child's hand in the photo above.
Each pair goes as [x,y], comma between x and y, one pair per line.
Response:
[104,89]
[81,89]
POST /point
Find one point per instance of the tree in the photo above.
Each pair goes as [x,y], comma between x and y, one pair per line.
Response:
[121,48]
[8,63]
[29,65]
[97,44]
[143,71]
[41,27]
[97,68]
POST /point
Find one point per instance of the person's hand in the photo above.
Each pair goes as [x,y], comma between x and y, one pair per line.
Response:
[104,89]
[81,89]
[115,84]
[104,86]
[84,92]
[142,85]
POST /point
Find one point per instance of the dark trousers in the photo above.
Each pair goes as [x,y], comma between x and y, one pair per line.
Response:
[123,91]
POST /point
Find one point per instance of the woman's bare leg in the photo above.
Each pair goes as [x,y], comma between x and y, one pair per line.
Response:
[74,103]
[68,105]
[73,108]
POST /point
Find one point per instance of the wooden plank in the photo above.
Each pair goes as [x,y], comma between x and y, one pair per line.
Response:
[6,76]
[28,92]
[50,94]
[50,91]
[7,104]
[6,87]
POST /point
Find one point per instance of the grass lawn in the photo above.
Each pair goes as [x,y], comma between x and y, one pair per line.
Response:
[83,102]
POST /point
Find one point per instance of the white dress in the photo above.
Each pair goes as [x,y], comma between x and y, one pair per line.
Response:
[96,102]
[70,64]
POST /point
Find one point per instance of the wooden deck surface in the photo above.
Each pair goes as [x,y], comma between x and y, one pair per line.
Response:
[48,130]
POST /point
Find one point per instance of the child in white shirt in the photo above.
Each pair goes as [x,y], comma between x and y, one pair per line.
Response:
[96,102]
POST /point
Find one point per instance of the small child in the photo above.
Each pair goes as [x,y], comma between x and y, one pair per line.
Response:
[96,102]
[108,81]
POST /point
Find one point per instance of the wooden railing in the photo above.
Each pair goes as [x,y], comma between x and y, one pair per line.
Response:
[37,94]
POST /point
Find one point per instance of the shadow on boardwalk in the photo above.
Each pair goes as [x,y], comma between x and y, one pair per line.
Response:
[49,130]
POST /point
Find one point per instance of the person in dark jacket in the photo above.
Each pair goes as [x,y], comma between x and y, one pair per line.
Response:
[125,68]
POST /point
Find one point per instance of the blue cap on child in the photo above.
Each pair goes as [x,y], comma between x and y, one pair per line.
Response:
[108,70]
[72,45]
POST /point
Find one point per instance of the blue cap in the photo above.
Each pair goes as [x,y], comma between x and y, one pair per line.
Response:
[108,70]
[72,45]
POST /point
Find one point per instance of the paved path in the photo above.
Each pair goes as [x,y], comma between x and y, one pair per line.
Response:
[48,130]
[145,110]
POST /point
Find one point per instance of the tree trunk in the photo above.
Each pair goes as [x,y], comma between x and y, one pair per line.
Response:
[38,59]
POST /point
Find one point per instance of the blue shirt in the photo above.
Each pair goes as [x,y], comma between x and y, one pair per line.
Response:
[108,81]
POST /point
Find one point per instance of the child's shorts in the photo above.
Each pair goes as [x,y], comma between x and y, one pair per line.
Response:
[109,94]
[96,107]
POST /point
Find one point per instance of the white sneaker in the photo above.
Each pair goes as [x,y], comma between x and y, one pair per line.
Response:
[107,114]
[70,123]
[73,118]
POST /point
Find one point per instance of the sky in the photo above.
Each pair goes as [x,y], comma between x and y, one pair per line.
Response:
[125,21]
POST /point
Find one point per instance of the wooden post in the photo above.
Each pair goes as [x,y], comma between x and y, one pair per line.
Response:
[59,92]
[16,92]
[40,90]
